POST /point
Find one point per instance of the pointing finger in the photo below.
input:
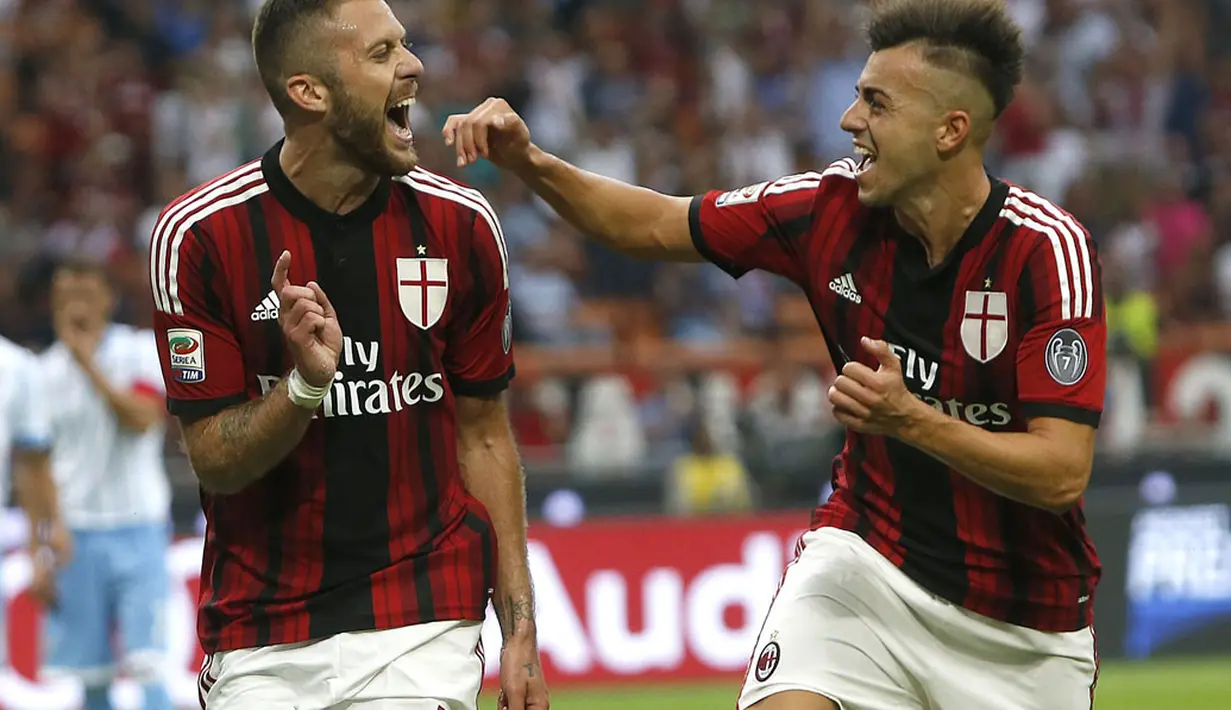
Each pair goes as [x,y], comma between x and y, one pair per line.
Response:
[281,270]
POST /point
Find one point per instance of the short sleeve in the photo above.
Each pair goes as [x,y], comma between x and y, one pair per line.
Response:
[30,416]
[200,362]
[762,226]
[479,355]
[1062,358]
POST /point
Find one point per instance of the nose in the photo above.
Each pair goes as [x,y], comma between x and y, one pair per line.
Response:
[853,120]
[410,67]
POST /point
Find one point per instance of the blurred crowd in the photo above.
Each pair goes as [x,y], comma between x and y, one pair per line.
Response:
[109,108]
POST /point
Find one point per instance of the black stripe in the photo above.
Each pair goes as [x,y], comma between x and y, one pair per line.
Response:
[917,318]
[703,248]
[1032,410]
[482,388]
[420,564]
[208,271]
[1025,302]
[487,545]
[271,363]
[1012,534]
[192,410]
[355,537]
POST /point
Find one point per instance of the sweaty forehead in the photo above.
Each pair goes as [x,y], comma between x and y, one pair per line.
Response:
[359,24]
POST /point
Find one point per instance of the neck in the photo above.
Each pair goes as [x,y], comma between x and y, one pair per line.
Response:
[939,216]
[319,171]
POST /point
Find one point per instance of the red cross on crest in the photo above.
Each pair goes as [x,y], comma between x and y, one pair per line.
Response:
[423,288]
[985,324]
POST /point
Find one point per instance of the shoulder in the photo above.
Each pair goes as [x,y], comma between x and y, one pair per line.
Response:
[14,357]
[228,191]
[1058,256]
[430,187]
[1044,224]
[837,177]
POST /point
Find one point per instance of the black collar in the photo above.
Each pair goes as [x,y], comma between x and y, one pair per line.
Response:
[311,213]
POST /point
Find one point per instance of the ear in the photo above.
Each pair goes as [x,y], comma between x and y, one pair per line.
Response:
[954,128]
[308,93]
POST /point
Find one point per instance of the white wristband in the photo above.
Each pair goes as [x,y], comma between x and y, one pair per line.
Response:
[303,394]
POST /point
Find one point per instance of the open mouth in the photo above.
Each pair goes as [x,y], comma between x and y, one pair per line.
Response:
[866,159]
[398,117]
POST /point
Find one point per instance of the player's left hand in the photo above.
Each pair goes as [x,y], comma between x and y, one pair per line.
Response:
[873,401]
[522,686]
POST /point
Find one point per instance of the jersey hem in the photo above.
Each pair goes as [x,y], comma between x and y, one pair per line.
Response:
[194,409]
[456,614]
[1072,413]
[482,388]
[703,248]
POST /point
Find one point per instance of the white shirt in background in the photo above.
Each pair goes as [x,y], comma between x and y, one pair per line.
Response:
[108,476]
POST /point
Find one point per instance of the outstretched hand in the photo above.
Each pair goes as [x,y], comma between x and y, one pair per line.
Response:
[493,130]
[873,401]
[309,324]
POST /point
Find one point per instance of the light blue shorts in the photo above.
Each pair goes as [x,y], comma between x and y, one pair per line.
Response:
[112,605]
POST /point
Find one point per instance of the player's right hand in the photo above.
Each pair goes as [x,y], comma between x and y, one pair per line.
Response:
[493,130]
[309,324]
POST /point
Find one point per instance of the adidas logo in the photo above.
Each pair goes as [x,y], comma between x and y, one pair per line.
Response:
[844,286]
[267,309]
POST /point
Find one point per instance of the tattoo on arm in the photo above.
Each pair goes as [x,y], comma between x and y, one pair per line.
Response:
[234,448]
[515,612]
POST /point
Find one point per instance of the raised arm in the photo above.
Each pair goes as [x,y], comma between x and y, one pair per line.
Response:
[232,441]
[634,220]
[761,226]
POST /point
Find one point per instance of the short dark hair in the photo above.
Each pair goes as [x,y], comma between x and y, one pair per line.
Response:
[975,37]
[82,265]
[281,44]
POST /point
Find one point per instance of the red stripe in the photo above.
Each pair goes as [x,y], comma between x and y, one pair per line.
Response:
[146,389]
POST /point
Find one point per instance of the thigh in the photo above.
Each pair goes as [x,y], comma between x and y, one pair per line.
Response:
[76,631]
[431,665]
[1023,669]
[827,633]
[285,677]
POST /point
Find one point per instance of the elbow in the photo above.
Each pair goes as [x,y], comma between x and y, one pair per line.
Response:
[1063,495]
[218,480]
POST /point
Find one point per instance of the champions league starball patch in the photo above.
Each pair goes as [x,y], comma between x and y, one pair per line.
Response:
[1066,357]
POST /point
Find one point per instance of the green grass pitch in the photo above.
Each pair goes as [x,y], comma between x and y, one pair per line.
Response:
[1203,684]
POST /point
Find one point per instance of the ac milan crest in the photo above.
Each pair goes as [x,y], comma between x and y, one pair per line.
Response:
[767,662]
[985,324]
[423,288]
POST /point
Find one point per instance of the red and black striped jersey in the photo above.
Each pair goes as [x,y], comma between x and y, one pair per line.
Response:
[366,525]
[1008,327]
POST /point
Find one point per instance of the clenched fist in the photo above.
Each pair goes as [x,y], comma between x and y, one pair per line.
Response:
[309,324]
[494,131]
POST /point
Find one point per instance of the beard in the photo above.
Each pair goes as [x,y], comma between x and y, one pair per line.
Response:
[361,133]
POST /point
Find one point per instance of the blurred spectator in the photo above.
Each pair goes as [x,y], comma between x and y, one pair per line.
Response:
[706,480]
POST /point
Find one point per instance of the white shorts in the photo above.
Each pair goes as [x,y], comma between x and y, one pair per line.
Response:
[422,667]
[849,625]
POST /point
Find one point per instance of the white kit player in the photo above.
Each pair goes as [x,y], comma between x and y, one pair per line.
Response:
[25,441]
[108,431]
